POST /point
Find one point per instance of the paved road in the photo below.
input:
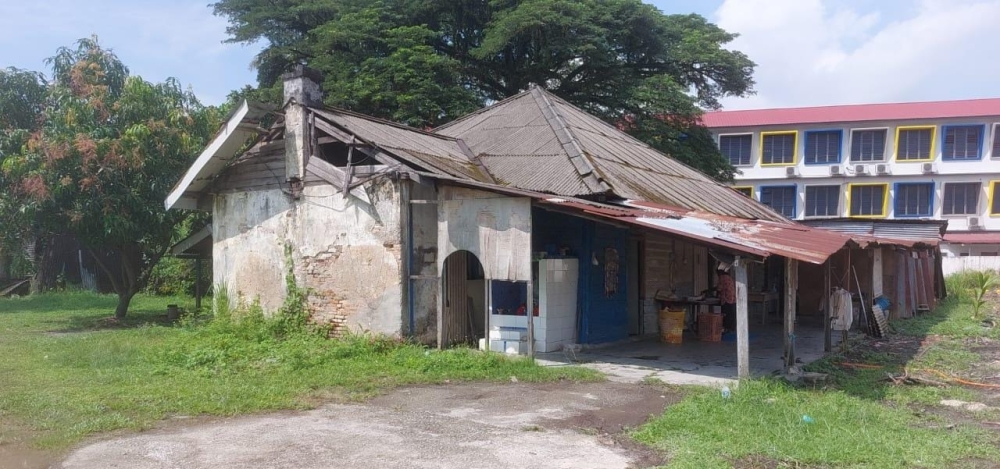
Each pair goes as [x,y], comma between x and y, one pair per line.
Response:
[556,425]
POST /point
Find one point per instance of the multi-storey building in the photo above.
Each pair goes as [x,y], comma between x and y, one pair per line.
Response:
[930,160]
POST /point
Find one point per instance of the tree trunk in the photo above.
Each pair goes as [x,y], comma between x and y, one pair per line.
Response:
[123,301]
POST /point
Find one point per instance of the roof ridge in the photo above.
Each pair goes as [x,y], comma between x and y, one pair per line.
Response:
[481,110]
[383,121]
[580,161]
[635,140]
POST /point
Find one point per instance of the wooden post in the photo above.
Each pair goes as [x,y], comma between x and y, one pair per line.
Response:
[791,292]
[197,284]
[489,310]
[876,273]
[742,321]
[827,312]
[442,281]
[531,320]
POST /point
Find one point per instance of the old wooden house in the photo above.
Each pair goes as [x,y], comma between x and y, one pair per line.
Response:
[529,208]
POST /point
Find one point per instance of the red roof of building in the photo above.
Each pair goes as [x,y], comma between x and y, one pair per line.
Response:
[973,237]
[854,113]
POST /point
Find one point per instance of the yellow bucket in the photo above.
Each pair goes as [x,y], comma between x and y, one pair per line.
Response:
[672,325]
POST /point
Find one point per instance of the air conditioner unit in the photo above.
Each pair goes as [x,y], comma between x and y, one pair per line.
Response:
[860,170]
[882,169]
[836,170]
[928,168]
[974,223]
[791,171]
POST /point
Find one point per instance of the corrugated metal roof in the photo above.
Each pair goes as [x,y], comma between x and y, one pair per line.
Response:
[567,148]
[439,152]
[927,231]
[973,237]
[854,113]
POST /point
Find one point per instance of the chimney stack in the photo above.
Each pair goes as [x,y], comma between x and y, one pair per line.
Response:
[301,90]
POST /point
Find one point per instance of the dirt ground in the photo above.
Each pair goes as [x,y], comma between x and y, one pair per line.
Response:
[554,425]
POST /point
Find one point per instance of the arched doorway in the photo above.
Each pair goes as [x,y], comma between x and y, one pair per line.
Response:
[463,300]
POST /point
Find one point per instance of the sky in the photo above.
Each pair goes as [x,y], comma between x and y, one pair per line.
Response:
[808,52]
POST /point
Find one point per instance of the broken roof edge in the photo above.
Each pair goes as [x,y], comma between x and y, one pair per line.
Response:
[237,129]
[379,120]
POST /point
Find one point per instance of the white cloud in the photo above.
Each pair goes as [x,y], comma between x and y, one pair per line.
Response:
[817,52]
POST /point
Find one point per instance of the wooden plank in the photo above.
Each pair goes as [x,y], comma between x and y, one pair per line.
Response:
[326,171]
[921,292]
[742,320]
[877,272]
[928,260]
[791,293]
[899,298]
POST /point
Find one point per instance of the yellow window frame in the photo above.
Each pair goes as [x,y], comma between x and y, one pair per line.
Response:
[993,191]
[748,188]
[885,199]
[795,147]
[934,135]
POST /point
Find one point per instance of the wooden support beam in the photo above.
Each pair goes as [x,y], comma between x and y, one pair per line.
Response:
[742,319]
[877,288]
[791,297]
[531,320]
[827,312]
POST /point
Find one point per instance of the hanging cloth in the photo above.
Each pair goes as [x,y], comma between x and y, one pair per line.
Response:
[841,310]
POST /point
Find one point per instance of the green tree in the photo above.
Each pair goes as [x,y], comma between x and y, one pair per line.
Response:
[425,62]
[22,98]
[108,151]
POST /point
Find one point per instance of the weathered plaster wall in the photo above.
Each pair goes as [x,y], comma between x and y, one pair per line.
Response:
[347,251]
[496,228]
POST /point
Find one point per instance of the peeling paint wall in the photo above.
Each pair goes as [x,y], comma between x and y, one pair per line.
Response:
[347,251]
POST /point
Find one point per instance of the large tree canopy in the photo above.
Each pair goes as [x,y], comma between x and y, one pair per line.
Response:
[107,149]
[425,62]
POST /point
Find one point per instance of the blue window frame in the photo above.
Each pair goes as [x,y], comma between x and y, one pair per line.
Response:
[962,142]
[913,199]
[780,198]
[823,146]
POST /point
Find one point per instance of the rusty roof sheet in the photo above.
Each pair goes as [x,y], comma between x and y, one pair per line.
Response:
[438,152]
[761,238]
[567,149]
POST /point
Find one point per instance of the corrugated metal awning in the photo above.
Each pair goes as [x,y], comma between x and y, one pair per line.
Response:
[973,237]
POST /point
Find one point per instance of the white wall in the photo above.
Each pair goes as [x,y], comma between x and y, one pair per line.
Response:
[985,170]
[951,265]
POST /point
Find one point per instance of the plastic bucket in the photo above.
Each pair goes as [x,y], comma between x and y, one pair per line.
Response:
[672,325]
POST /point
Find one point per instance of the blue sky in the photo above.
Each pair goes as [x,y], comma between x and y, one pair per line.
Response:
[809,52]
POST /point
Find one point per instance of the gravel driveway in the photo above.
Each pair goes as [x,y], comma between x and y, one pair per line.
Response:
[555,425]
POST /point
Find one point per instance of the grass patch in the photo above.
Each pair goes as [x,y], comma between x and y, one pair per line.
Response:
[92,375]
[861,419]
[765,418]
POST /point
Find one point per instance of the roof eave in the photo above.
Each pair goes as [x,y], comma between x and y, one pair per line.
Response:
[222,149]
